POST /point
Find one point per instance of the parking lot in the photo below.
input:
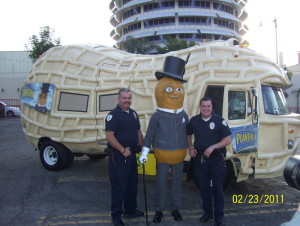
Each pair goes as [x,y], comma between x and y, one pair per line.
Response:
[80,195]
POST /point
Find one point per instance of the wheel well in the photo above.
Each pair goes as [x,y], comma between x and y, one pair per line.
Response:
[42,140]
[230,164]
[230,174]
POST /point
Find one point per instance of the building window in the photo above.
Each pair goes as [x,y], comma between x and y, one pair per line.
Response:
[224,23]
[126,1]
[154,38]
[131,12]
[204,37]
[165,37]
[195,20]
[185,36]
[222,7]
[195,4]
[132,27]
[196,37]
[159,22]
[73,102]
[221,37]
[159,5]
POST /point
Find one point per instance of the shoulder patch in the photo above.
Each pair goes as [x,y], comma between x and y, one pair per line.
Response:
[109,117]
[183,120]
[135,115]
[224,123]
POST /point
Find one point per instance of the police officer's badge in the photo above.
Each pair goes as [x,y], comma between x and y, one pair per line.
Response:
[109,117]
[183,120]
[212,125]
[224,122]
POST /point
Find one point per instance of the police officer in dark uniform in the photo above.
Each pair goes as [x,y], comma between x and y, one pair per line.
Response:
[212,135]
[123,135]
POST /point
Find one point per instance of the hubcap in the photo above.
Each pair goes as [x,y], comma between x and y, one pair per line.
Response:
[50,155]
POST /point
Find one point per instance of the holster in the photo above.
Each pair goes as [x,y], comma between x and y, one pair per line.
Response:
[110,151]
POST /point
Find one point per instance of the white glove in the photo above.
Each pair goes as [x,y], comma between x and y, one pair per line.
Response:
[143,158]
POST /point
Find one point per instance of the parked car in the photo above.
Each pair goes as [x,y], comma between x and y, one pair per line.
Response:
[9,111]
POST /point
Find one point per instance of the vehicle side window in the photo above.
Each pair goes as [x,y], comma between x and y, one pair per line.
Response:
[236,105]
[108,102]
[216,93]
[274,101]
[73,102]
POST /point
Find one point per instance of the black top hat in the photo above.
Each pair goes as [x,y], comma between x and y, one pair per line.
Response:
[45,88]
[174,67]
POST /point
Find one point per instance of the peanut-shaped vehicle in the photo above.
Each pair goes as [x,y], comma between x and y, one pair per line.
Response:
[71,89]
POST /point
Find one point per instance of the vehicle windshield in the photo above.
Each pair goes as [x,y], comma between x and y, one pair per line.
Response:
[274,101]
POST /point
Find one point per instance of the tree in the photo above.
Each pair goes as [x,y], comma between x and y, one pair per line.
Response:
[141,46]
[38,45]
[174,44]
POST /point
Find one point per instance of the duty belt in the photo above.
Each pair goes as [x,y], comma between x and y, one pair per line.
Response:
[112,152]
[215,153]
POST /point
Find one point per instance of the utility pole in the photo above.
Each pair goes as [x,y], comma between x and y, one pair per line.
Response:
[275,23]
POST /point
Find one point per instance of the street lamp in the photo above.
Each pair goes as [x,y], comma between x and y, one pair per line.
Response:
[275,23]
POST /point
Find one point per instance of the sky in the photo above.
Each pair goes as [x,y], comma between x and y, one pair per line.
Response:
[82,22]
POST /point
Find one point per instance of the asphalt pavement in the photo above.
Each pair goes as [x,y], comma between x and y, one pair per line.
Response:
[80,195]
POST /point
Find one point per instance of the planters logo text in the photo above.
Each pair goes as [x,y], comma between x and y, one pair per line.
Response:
[244,139]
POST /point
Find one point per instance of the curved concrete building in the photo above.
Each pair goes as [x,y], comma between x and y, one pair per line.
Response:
[192,20]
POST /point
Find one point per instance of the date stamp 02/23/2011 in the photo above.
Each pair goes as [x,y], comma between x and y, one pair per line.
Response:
[257,199]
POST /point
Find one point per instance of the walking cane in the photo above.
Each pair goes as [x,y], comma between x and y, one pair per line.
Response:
[145,192]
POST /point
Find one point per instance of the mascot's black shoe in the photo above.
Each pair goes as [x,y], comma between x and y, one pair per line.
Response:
[205,218]
[157,217]
[177,216]
[117,222]
[137,213]
[220,223]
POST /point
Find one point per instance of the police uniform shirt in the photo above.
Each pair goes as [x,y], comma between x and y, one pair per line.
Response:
[209,132]
[124,125]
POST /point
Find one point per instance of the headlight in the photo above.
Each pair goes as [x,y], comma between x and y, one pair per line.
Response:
[290,144]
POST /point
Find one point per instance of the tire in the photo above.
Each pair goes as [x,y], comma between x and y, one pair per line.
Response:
[190,172]
[53,155]
[291,172]
[10,114]
[70,158]
[229,174]
[96,156]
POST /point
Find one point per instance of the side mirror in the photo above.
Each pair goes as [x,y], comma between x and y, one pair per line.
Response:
[254,105]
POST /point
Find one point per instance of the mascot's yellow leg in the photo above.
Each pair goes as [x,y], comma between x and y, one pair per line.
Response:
[170,157]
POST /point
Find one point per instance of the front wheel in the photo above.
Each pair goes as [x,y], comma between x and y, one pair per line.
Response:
[10,114]
[291,172]
[229,174]
[53,155]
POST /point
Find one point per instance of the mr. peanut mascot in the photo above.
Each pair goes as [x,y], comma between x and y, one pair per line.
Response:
[166,133]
